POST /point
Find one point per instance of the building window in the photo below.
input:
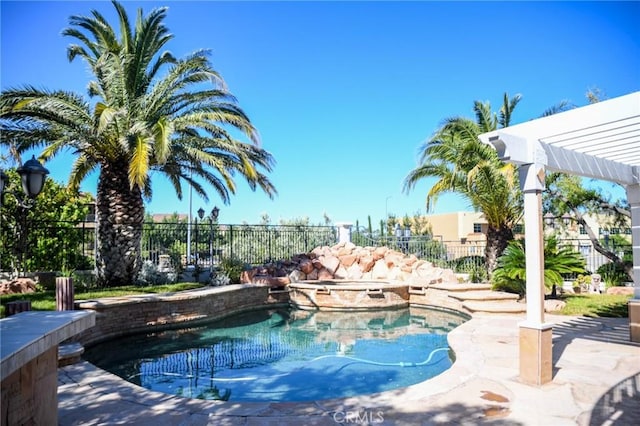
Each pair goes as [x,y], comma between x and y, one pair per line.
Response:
[477,228]
[583,231]
[518,229]
[584,249]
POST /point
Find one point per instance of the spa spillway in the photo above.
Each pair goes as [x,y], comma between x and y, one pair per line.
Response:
[348,294]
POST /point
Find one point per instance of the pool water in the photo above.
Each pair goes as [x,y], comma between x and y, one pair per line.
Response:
[286,354]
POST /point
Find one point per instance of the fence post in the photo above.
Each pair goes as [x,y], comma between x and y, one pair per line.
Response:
[231,241]
[64,294]
[17,306]
[344,232]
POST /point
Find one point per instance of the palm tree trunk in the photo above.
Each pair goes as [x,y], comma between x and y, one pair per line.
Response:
[497,241]
[120,213]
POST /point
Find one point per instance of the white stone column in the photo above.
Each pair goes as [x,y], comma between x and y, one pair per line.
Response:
[344,232]
[633,197]
[535,335]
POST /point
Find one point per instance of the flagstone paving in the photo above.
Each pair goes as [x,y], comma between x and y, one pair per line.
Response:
[596,381]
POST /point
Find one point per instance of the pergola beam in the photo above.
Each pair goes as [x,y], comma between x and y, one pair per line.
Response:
[600,141]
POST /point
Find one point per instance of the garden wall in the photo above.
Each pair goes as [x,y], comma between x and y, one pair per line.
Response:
[118,316]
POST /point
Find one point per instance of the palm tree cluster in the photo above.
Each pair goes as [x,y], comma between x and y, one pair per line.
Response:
[464,165]
[559,261]
[149,112]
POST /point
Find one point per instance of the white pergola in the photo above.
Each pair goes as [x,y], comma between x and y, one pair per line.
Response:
[600,141]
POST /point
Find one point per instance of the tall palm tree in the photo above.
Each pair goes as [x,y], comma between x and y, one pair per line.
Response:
[463,164]
[149,112]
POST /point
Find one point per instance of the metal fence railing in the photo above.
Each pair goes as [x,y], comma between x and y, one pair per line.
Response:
[252,244]
[461,258]
[50,246]
[468,257]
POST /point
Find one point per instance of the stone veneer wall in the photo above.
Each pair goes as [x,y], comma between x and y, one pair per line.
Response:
[25,396]
[118,316]
[350,262]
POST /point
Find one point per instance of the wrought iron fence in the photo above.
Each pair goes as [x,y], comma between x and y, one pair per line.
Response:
[55,245]
[461,258]
[469,258]
[250,244]
[50,246]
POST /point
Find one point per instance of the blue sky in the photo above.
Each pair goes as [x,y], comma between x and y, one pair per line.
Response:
[344,93]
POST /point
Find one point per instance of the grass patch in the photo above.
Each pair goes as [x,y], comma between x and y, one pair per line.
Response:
[46,300]
[596,305]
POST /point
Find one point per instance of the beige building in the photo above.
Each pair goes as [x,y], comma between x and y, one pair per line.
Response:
[464,233]
[458,227]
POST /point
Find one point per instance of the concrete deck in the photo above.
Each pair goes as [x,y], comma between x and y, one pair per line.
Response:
[596,382]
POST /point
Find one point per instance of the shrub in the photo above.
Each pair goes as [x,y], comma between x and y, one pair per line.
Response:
[150,275]
[232,268]
[473,265]
[613,274]
[510,275]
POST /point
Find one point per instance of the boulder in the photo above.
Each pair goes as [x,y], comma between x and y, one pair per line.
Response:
[620,290]
[553,305]
[354,272]
[341,273]
[348,259]
[366,263]
[313,275]
[306,266]
[19,285]
[325,274]
[379,252]
[297,276]
[380,270]
[331,263]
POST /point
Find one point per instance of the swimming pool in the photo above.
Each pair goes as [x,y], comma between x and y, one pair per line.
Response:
[286,354]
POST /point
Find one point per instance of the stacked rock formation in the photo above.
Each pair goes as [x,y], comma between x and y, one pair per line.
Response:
[346,261]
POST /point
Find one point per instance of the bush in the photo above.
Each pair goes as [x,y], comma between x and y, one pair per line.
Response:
[613,274]
[473,265]
[150,275]
[232,268]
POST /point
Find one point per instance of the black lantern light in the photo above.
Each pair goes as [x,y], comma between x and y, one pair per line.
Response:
[33,175]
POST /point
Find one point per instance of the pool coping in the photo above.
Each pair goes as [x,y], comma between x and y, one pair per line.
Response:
[482,385]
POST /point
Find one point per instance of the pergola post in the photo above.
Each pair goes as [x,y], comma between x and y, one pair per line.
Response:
[633,197]
[535,335]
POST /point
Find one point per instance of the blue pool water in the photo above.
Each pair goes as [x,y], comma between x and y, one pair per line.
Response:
[286,355]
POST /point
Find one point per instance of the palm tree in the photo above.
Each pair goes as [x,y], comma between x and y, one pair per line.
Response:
[464,165]
[558,261]
[149,112]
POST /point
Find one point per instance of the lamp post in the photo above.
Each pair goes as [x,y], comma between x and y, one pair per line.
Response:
[200,215]
[213,218]
[407,237]
[397,231]
[32,176]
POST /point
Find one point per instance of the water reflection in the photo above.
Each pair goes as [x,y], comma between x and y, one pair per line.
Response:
[286,355]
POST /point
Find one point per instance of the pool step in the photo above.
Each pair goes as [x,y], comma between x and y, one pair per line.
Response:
[456,287]
[470,297]
[69,353]
[483,295]
[495,307]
